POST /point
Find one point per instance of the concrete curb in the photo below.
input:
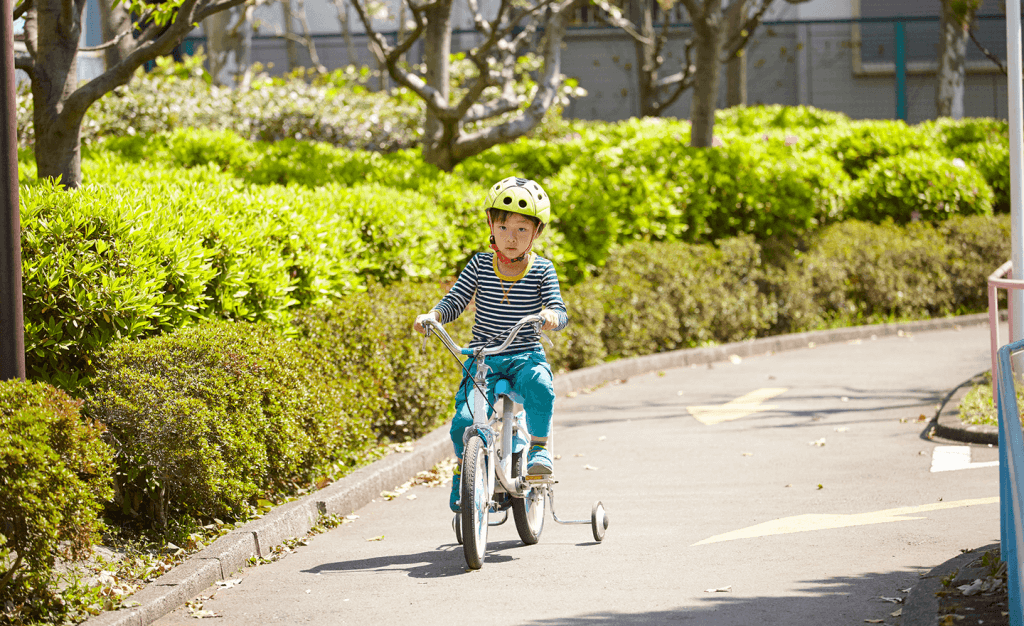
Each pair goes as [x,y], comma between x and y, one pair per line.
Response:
[921,607]
[230,553]
[947,424]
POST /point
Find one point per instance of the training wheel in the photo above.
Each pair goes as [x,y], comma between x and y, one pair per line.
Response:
[457,527]
[598,520]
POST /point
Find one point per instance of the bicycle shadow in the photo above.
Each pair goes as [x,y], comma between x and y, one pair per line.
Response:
[445,561]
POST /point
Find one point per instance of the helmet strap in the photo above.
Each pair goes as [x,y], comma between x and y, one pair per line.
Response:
[501,255]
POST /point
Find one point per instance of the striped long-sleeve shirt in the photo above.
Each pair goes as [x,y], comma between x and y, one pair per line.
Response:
[501,301]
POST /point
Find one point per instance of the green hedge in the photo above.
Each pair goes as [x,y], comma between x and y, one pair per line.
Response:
[918,186]
[653,297]
[54,475]
[160,249]
[196,224]
[207,420]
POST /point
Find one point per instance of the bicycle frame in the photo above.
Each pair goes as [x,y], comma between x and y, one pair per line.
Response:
[482,424]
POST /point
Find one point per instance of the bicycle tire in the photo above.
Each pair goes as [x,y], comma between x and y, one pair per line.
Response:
[528,511]
[475,502]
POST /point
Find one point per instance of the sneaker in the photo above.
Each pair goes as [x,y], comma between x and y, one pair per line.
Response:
[538,461]
[453,502]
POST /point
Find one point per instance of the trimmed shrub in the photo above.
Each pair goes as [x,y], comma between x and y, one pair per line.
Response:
[858,145]
[983,143]
[580,344]
[665,296]
[977,245]
[751,120]
[918,186]
[208,418]
[54,472]
[860,273]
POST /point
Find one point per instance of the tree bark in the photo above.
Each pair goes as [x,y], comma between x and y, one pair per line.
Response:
[708,30]
[736,68]
[290,46]
[437,46]
[114,20]
[641,13]
[953,33]
[54,79]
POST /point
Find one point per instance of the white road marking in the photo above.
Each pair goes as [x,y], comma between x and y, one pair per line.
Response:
[735,409]
[951,458]
[825,521]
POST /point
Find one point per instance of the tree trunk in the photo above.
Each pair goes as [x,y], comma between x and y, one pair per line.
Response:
[57,148]
[113,21]
[708,34]
[949,92]
[437,46]
[641,13]
[736,69]
[290,45]
[229,37]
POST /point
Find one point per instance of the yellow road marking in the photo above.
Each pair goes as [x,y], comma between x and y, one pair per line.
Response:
[824,521]
[735,409]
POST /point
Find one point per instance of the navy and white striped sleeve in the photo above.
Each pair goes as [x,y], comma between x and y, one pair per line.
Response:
[457,299]
[551,295]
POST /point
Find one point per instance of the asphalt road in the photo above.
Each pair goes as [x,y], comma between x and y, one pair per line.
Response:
[808,510]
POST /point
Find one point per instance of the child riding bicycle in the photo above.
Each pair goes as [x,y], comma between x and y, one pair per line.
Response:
[508,283]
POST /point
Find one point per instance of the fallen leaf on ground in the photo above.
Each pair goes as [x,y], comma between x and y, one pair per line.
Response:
[874,621]
[201,614]
[747,453]
[736,359]
[380,538]
[724,589]
[896,613]
[589,467]
[893,600]
[227,584]
[819,443]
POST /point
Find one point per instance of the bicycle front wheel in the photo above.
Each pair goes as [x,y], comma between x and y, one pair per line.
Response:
[476,501]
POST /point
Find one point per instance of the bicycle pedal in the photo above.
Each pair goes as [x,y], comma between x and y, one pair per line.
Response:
[540,478]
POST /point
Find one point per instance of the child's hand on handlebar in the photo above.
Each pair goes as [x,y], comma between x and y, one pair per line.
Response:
[550,319]
[421,320]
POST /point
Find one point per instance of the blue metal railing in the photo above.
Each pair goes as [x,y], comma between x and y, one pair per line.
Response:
[1011,483]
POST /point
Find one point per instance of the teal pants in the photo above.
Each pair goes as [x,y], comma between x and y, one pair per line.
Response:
[530,376]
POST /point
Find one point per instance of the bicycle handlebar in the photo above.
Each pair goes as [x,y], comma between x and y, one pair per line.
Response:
[431,324]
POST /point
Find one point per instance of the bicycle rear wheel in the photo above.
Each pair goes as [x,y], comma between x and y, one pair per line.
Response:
[528,511]
[475,502]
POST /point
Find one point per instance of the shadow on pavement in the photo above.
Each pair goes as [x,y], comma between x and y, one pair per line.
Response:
[446,560]
[838,600]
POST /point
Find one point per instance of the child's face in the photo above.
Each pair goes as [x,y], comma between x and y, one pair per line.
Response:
[513,236]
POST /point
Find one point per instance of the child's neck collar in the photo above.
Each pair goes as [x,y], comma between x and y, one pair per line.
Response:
[516,272]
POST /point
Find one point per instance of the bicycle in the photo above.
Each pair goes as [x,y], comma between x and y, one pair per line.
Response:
[493,475]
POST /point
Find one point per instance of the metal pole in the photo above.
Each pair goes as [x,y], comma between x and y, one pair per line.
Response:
[901,70]
[1015,111]
[12,324]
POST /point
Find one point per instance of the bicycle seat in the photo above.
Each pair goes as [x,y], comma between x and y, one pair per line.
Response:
[504,388]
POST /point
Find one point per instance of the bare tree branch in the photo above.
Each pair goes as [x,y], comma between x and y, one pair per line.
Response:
[613,17]
[390,55]
[746,31]
[109,44]
[21,8]
[547,91]
[148,48]
[215,7]
[25,63]
[482,25]
[991,57]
